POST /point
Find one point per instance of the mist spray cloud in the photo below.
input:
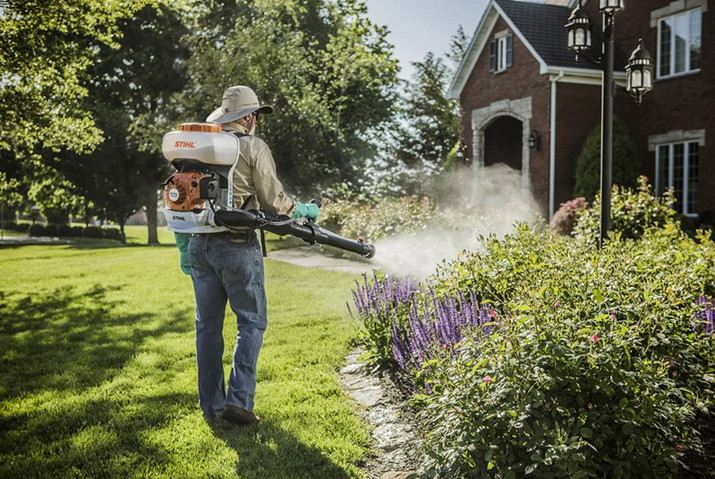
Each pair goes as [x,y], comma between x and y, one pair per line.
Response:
[493,203]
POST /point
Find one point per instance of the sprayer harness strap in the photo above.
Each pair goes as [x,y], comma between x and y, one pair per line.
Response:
[263,233]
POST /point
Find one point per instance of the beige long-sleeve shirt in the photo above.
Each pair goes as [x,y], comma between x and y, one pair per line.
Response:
[255,175]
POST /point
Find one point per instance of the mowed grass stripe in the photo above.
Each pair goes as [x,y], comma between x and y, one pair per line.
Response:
[97,371]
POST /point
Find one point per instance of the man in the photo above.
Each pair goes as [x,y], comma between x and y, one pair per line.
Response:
[228,266]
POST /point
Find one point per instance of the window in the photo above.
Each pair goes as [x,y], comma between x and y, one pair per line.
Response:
[500,53]
[679,43]
[677,167]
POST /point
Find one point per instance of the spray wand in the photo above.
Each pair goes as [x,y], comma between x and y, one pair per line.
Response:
[283,225]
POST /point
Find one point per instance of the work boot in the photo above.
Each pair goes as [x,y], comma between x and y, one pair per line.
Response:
[239,416]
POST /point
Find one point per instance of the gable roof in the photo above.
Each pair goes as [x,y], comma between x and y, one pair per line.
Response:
[540,27]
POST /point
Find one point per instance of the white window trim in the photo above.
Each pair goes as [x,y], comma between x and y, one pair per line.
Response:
[680,7]
[683,208]
[676,136]
[676,7]
[501,46]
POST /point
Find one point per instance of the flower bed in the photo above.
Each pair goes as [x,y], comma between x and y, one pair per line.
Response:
[594,362]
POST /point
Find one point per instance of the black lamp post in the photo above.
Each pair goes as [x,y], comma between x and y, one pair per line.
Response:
[639,81]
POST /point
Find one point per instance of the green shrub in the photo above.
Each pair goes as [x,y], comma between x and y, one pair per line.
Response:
[595,371]
[374,220]
[625,163]
[93,232]
[64,230]
[37,229]
[112,233]
[9,225]
[22,227]
[632,212]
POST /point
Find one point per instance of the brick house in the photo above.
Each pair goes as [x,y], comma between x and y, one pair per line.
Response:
[519,80]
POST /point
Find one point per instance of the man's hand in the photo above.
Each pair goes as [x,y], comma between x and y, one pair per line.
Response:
[309,211]
[182,242]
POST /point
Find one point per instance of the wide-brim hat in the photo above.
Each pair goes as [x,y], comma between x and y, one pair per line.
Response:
[237,102]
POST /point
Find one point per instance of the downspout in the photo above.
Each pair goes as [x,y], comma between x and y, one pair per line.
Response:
[552,147]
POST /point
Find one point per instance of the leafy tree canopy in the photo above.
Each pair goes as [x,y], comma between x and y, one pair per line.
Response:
[327,70]
[44,55]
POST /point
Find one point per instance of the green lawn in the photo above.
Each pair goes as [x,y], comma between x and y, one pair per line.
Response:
[97,370]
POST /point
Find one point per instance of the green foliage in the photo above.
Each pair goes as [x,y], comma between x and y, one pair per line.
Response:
[418,148]
[130,87]
[324,66]
[43,60]
[432,120]
[378,219]
[595,371]
[625,163]
[632,212]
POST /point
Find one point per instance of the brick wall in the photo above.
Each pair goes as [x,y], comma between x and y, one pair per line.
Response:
[521,80]
[578,112]
[682,103]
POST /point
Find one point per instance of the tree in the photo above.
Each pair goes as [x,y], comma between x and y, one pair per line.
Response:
[419,148]
[625,162]
[326,69]
[431,119]
[45,50]
[129,90]
[44,56]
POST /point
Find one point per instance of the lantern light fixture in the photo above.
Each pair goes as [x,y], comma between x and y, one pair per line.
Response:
[639,72]
[578,28]
[610,7]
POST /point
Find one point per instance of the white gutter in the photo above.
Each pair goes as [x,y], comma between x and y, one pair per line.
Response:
[552,147]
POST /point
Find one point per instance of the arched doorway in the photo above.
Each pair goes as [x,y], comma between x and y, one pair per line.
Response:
[503,142]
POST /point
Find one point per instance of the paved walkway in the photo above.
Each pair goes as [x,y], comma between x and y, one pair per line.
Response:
[311,256]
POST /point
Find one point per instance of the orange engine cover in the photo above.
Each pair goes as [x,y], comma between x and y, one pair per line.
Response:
[182,192]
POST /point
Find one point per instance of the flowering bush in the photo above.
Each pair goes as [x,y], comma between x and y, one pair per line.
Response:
[705,316]
[434,328]
[406,326]
[565,218]
[379,304]
[632,212]
[601,365]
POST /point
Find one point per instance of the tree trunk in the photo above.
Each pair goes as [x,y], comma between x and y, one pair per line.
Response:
[151,223]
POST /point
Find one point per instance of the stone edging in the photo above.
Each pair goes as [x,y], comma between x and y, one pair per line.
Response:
[394,439]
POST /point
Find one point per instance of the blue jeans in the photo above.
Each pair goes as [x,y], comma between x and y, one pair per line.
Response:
[226,270]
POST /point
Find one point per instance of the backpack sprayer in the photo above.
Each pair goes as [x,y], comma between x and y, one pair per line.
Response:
[198,198]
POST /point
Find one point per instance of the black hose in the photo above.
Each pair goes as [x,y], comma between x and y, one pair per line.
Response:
[282,226]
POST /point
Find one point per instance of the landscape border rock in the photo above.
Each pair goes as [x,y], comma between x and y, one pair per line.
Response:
[395,440]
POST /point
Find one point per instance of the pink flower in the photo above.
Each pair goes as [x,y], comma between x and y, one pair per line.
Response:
[492,313]
[589,406]
[612,317]
[679,448]
[445,345]
[595,338]
[557,304]
[628,208]
[487,379]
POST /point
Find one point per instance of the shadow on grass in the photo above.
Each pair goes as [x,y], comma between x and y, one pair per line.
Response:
[60,410]
[69,340]
[266,450]
[82,244]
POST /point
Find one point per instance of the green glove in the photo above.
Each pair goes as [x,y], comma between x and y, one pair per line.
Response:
[182,242]
[309,211]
